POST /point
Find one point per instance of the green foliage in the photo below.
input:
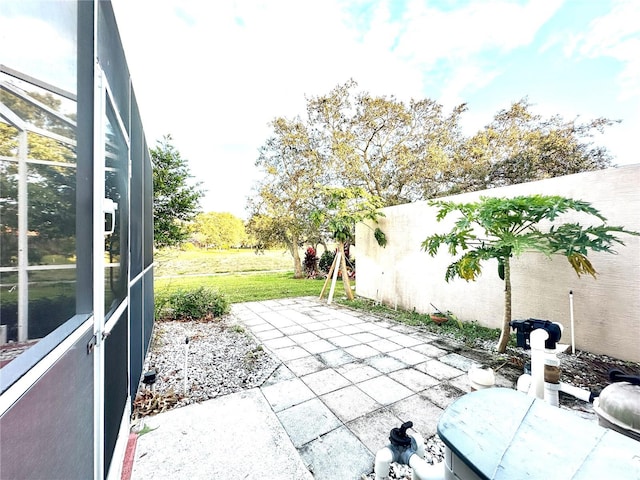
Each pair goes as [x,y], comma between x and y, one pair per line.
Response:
[52,193]
[265,232]
[310,262]
[380,236]
[196,304]
[469,332]
[520,146]
[510,227]
[395,150]
[398,152]
[326,260]
[50,312]
[343,208]
[146,429]
[175,201]
[280,210]
[218,230]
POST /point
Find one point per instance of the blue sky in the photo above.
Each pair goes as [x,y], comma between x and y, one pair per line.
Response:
[213,74]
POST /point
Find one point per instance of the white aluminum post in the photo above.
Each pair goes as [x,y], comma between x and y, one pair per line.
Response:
[99,115]
[23,239]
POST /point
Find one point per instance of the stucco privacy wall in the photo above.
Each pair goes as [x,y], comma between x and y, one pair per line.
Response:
[606,309]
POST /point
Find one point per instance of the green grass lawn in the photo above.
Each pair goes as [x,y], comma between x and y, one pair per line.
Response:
[246,287]
[241,275]
[253,279]
[171,262]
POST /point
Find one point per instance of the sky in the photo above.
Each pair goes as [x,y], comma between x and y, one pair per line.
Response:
[213,74]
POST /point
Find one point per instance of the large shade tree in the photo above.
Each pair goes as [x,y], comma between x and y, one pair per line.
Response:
[401,152]
[502,228]
[520,146]
[388,149]
[280,210]
[394,150]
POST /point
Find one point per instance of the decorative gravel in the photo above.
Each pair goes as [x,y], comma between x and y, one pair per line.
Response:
[218,358]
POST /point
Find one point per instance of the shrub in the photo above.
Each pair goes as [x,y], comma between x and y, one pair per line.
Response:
[195,304]
[326,259]
[310,262]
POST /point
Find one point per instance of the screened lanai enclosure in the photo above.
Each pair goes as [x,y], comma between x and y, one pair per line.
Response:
[76,241]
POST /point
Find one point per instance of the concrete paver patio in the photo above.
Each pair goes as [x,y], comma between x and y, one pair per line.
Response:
[346,379]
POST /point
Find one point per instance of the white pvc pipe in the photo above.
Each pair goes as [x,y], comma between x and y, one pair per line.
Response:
[524,383]
[551,394]
[537,339]
[573,336]
[419,444]
[579,393]
[481,378]
[551,389]
[425,471]
[383,460]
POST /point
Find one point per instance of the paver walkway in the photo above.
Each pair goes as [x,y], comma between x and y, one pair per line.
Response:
[348,378]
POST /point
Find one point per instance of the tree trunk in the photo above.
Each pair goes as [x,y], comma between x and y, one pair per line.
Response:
[297,264]
[506,328]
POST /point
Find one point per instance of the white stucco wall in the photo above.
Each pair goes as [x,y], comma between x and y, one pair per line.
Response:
[606,309]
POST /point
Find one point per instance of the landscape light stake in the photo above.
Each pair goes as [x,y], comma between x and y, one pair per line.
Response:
[186,356]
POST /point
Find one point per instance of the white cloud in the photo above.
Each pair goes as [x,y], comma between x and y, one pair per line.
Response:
[45,53]
[432,34]
[617,35]
[456,44]
[469,76]
[213,74]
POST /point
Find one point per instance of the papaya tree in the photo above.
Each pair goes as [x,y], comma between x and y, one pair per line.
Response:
[342,209]
[503,228]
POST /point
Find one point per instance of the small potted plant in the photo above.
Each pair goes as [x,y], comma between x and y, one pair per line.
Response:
[438,317]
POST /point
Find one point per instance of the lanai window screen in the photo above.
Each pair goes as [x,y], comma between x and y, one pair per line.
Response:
[37,209]
[76,240]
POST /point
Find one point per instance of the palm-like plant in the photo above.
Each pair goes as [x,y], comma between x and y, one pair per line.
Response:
[510,227]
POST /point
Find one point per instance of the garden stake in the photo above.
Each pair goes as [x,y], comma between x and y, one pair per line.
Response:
[573,337]
[335,277]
